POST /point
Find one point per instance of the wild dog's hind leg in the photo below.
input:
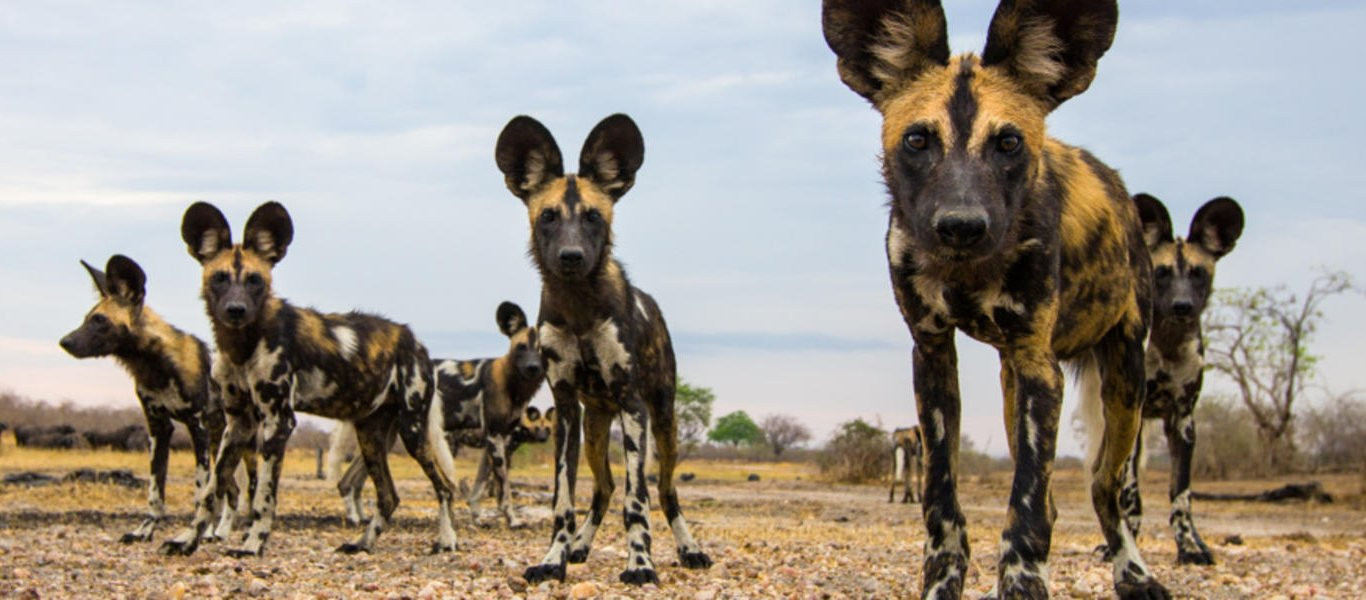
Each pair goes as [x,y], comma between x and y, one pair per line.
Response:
[1180,427]
[277,423]
[159,431]
[351,487]
[567,428]
[596,426]
[425,449]
[665,431]
[372,436]
[1119,357]
[935,370]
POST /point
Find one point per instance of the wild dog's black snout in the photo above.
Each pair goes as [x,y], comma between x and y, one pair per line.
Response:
[571,257]
[68,344]
[960,229]
[1183,308]
[235,312]
[532,371]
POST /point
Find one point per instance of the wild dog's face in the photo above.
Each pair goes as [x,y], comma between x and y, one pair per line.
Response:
[963,137]
[571,216]
[236,282]
[524,352]
[113,322]
[1183,269]
[538,428]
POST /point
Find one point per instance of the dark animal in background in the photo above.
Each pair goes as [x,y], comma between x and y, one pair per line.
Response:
[1183,277]
[25,434]
[170,370]
[478,403]
[1014,238]
[58,440]
[275,358]
[129,437]
[908,463]
[605,342]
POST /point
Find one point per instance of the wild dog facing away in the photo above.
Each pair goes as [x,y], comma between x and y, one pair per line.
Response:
[605,342]
[1183,277]
[275,358]
[170,370]
[478,403]
[908,464]
[1018,240]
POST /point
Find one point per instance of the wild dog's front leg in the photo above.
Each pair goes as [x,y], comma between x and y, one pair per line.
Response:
[239,434]
[567,426]
[1033,386]
[1130,498]
[597,424]
[1180,428]
[498,461]
[635,427]
[277,423]
[159,431]
[935,366]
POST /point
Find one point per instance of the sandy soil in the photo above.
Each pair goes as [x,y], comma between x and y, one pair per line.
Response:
[785,536]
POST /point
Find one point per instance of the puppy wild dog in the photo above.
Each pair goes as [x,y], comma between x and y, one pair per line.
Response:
[1014,238]
[534,428]
[1183,277]
[170,370]
[275,358]
[908,463]
[478,403]
[605,342]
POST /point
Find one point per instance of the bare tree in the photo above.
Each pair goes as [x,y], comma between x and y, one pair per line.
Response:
[1260,338]
[783,432]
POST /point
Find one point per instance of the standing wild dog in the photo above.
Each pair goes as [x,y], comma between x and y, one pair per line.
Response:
[605,342]
[478,403]
[170,370]
[1018,240]
[908,463]
[275,358]
[534,428]
[1183,277]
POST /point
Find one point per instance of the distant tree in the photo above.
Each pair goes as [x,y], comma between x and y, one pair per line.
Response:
[736,428]
[783,432]
[1260,338]
[692,413]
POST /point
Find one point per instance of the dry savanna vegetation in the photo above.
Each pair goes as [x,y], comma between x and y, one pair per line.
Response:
[789,535]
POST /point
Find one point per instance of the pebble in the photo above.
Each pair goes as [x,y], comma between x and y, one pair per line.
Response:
[584,589]
[257,586]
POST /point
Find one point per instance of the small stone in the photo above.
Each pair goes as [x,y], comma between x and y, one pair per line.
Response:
[257,586]
[583,589]
[432,590]
[707,594]
[517,584]
[177,591]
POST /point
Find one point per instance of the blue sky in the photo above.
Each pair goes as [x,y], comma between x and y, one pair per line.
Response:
[756,221]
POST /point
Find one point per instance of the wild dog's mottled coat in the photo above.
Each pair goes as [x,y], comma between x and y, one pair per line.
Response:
[606,346]
[1183,277]
[908,463]
[275,358]
[170,370]
[1015,238]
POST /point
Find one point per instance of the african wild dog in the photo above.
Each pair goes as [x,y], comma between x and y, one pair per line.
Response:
[534,428]
[605,342]
[478,403]
[170,370]
[1183,277]
[1018,240]
[275,358]
[908,463]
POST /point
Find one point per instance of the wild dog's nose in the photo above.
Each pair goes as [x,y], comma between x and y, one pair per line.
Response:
[1182,308]
[66,343]
[532,371]
[960,229]
[236,312]
[571,256]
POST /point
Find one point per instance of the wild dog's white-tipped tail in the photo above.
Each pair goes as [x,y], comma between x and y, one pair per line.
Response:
[436,440]
[341,443]
[899,460]
[1091,412]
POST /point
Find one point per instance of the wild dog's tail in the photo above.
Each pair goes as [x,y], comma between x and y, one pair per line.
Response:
[437,443]
[898,462]
[341,443]
[1091,413]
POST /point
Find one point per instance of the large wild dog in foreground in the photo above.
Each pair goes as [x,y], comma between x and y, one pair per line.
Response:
[275,359]
[1183,277]
[1018,240]
[170,370]
[604,341]
[478,403]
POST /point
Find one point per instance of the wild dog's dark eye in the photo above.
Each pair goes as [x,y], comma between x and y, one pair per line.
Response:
[916,141]
[1008,143]
[1198,273]
[521,347]
[1162,272]
[219,278]
[255,280]
[592,216]
[98,319]
[549,215]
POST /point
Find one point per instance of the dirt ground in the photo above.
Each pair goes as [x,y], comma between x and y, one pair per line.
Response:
[785,536]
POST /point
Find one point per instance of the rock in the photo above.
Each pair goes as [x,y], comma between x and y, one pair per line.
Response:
[177,591]
[707,594]
[256,587]
[432,590]
[517,584]
[1233,540]
[584,589]
[753,477]
[687,476]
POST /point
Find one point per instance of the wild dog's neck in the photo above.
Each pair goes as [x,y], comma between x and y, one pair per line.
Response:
[156,352]
[585,301]
[1169,335]
[238,344]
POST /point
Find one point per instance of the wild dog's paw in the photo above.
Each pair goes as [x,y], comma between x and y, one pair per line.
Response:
[1144,589]
[539,573]
[242,552]
[694,560]
[135,537]
[577,556]
[352,548]
[1022,587]
[1202,556]
[639,577]
[178,548]
[441,548]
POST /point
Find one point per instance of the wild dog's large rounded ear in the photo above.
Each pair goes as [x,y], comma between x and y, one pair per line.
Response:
[97,276]
[269,231]
[880,45]
[1157,223]
[1217,226]
[612,154]
[205,230]
[125,279]
[528,156]
[1050,47]
[511,319]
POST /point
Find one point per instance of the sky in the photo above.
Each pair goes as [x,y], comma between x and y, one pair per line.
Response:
[756,221]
